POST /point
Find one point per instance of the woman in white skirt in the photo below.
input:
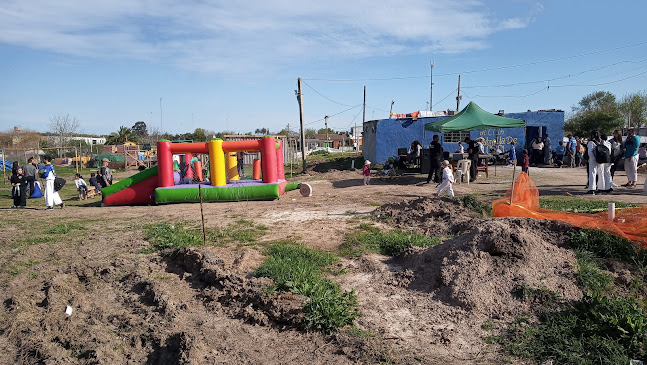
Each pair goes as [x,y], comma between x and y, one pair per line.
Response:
[51,196]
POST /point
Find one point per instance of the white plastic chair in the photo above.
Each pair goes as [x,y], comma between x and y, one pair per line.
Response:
[464,167]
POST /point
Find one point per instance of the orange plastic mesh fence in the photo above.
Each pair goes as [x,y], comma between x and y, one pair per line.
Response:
[629,223]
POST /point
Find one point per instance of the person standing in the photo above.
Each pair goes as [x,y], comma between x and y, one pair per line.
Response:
[571,147]
[596,176]
[537,151]
[30,170]
[240,162]
[473,155]
[105,172]
[616,152]
[606,166]
[525,162]
[19,189]
[51,196]
[547,150]
[435,154]
[632,143]
[513,154]
[366,171]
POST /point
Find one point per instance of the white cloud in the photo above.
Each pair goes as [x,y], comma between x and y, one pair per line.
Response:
[249,36]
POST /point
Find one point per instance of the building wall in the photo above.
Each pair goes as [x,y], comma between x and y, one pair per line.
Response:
[369,138]
[383,138]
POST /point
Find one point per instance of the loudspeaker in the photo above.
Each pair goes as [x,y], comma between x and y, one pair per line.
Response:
[425,161]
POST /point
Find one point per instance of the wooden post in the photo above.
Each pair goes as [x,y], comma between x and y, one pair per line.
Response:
[303,132]
[4,165]
[204,232]
[514,169]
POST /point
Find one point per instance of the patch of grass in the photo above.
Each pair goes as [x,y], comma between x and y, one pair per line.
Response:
[357,332]
[32,241]
[375,204]
[607,246]
[471,202]
[164,236]
[370,239]
[577,205]
[596,330]
[298,269]
[63,228]
[541,296]
[18,267]
[242,231]
[589,272]
[487,325]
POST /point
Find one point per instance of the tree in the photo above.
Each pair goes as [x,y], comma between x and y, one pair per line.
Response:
[326,130]
[309,133]
[63,126]
[599,111]
[124,134]
[139,128]
[263,131]
[633,108]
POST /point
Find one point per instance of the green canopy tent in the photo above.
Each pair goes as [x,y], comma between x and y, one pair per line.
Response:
[472,117]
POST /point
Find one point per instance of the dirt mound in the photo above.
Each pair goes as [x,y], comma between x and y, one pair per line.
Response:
[481,269]
[436,216]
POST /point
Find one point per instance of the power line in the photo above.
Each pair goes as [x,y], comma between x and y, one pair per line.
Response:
[443,99]
[323,96]
[487,69]
[332,115]
[555,78]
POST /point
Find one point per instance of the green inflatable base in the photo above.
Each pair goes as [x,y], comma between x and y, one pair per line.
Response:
[191,194]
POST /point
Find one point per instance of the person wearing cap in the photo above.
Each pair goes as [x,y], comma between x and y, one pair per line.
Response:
[571,147]
[448,180]
[366,171]
[105,172]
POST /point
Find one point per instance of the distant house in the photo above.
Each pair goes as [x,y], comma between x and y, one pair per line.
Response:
[382,138]
[330,140]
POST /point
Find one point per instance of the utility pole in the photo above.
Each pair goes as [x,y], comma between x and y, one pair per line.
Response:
[363,118]
[458,96]
[326,123]
[303,133]
[431,87]
[391,110]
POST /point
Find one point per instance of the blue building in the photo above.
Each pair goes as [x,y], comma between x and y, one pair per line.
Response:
[382,138]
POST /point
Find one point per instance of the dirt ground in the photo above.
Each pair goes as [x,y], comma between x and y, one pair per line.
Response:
[202,305]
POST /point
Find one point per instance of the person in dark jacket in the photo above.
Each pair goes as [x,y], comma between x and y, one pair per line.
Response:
[30,170]
[19,189]
[473,155]
[435,155]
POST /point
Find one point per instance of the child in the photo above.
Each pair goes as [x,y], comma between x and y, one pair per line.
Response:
[525,162]
[560,151]
[81,186]
[366,171]
[513,154]
[94,181]
[19,189]
[448,180]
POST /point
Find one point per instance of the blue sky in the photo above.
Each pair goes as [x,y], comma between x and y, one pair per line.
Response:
[225,65]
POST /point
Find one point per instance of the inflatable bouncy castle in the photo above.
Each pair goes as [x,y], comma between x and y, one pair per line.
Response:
[164,184]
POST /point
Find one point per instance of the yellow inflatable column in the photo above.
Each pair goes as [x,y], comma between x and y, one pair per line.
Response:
[217,162]
[232,166]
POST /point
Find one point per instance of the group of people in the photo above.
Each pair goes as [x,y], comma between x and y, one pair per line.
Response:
[24,181]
